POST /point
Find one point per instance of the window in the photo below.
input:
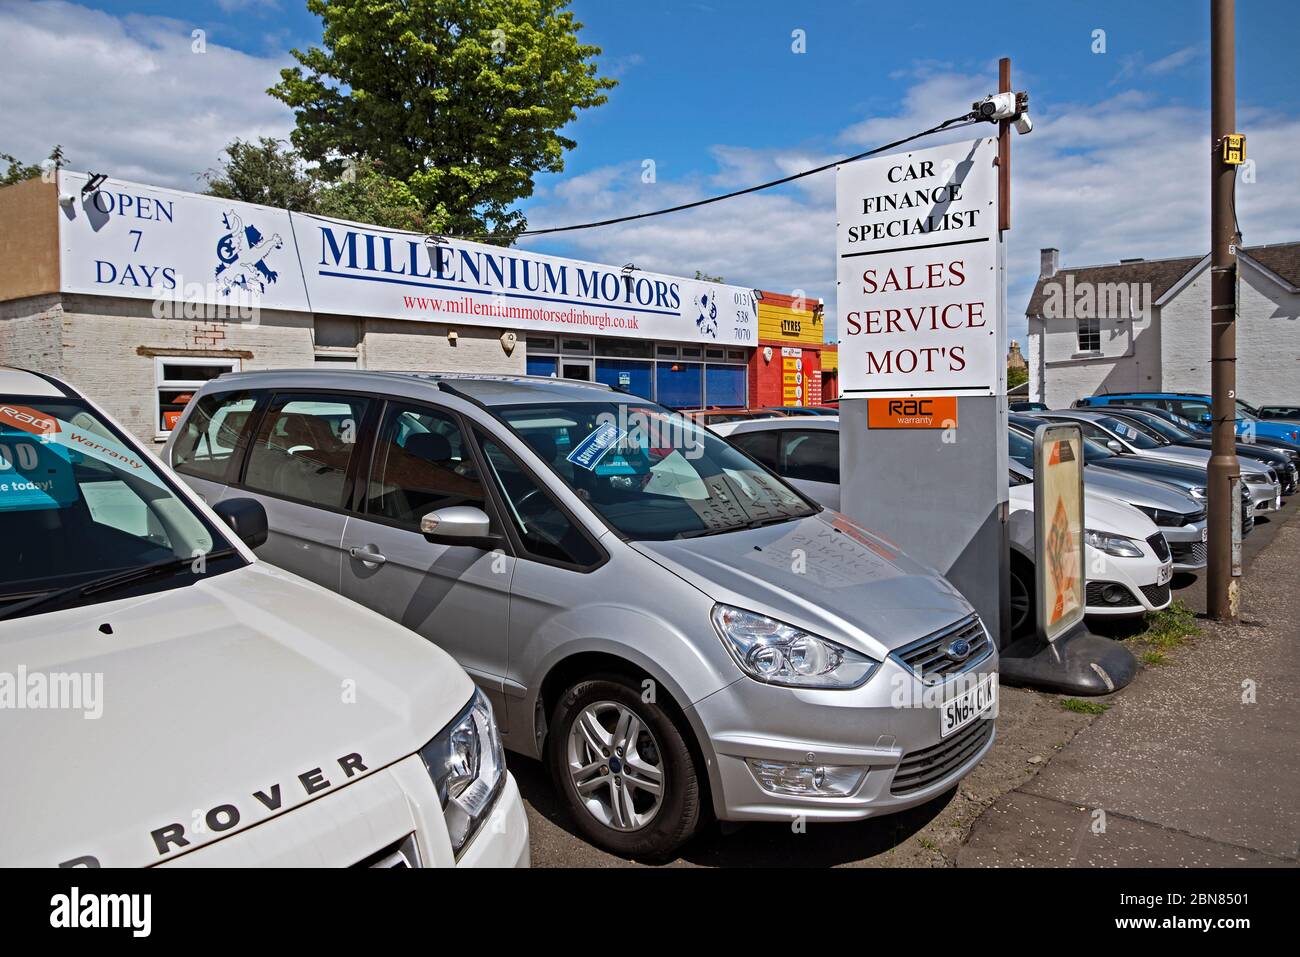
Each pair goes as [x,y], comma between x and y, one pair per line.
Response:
[577,346]
[1190,410]
[542,365]
[214,432]
[665,477]
[80,502]
[545,343]
[544,528]
[1089,333]
[679,384]
[810,456]
[628,375]
[421,464]
[304,446]
[725,386]
[760,446]
[625,348]
[176,379]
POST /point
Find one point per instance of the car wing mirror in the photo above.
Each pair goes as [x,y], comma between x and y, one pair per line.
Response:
[1114,446]
[246,518]
[459,525]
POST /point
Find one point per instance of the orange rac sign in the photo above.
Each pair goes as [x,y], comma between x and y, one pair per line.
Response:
[934,412]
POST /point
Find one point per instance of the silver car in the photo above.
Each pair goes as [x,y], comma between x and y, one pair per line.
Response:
[663,621]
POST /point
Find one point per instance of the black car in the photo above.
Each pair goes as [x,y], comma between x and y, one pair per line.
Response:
[1155,425]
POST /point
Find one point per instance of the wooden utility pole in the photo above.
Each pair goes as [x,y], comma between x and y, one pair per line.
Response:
[1224,469]
[1004,151]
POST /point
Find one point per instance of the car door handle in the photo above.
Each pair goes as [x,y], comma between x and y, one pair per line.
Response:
[367,555]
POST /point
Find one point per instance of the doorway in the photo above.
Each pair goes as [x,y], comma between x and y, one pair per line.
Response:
[576,369]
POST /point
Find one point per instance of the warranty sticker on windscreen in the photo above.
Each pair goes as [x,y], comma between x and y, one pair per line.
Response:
[588,453]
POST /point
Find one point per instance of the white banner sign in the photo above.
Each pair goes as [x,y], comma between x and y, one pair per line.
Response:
[172,247]
[917,246]
[362,271]
[147,243]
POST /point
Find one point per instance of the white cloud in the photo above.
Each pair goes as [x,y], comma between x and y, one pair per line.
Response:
[1118,178]
[1124,176]
[128,96]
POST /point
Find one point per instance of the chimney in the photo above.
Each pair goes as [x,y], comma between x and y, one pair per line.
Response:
[1049,263]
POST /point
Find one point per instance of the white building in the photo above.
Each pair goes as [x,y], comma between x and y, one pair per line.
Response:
[1144,325]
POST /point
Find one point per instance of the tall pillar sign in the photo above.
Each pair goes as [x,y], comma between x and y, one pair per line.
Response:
[918,288]
[922,334]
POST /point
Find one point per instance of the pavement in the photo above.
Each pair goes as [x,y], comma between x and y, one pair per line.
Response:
[1181,770]
[1196,763]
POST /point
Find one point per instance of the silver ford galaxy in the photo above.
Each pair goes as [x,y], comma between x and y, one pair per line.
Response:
[663,621]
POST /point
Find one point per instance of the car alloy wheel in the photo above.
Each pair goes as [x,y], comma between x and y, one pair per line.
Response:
[616,766]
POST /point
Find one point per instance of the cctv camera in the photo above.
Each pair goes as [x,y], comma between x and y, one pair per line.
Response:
[999,106]
[1024,124]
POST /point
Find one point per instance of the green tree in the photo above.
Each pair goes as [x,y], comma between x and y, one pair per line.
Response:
[267,172]
[1016,377]
[19,171]
[365,195]
[461,100]
[705,277]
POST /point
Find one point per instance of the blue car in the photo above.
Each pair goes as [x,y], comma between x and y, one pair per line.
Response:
[1196,407]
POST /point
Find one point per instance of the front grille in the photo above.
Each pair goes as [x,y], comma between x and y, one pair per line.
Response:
[1190,517]
[402,853]
[920,769]
[1159,546]
[1156,594]
[930,658]
[1094,599]
[1189,553]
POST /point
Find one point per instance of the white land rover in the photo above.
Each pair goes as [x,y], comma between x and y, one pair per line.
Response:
[166,698]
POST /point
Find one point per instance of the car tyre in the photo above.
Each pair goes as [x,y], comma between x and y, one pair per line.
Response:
[625,818]
[1024,582]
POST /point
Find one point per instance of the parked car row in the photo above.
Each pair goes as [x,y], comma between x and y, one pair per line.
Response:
[450,567]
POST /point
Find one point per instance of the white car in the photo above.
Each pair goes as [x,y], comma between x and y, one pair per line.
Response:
[1128,562]
[166,698]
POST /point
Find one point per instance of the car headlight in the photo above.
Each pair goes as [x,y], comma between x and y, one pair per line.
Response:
[468,767]
[1198,492]
[1116,545]
[780,654]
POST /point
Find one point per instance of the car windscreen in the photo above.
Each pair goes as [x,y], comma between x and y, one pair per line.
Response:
[651,473]
[1134,433]
[79,503]
[1020,448]
[1157,425]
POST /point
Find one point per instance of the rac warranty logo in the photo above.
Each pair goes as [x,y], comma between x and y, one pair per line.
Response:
[242,253]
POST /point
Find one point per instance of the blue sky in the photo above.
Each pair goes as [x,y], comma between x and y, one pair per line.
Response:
[714,95]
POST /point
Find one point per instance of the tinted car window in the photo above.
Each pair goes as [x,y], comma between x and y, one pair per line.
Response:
[1132,433]
[421,464]
[810,456]
[214,431]
[760,446]
[546,531]
[304,446]
[1194,411]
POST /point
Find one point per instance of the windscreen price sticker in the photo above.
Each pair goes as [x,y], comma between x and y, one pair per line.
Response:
[918,276]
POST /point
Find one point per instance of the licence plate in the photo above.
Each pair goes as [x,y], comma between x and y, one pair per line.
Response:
[1166,572]
[1205,535]
[968,706]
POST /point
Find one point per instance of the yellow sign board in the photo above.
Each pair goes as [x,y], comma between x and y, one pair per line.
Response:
[1234,149]
[789,325]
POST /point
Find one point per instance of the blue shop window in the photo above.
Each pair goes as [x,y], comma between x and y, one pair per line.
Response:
[724,386]
[634,377]
[679,384]
[541,365]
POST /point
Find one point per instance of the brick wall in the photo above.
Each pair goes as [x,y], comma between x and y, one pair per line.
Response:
[107,347]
